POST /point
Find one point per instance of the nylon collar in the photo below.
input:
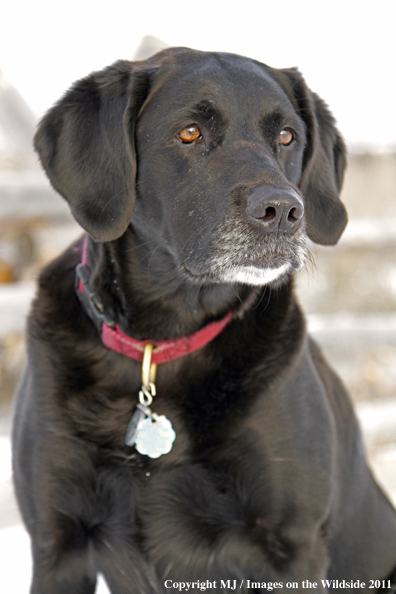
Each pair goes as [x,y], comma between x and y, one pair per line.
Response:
[115,339]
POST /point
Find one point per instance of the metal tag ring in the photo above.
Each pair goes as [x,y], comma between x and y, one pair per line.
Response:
[146,395]
[148,368]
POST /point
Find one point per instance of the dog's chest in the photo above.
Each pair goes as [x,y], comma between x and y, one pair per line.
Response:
[255,495]
[254,509]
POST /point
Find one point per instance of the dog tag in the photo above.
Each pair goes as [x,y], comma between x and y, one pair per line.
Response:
[136,422]
[155,436]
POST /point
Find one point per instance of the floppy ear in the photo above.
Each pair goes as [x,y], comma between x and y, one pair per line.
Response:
[323,166]
[86,146]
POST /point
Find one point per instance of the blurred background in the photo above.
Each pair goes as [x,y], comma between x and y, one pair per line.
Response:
[345,51]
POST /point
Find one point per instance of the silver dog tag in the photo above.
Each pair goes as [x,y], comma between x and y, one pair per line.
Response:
[155,437]
[151,434]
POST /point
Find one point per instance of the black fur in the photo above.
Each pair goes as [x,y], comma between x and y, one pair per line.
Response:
[267,479]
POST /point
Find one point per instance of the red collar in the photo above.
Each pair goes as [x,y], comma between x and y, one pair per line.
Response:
[115,339]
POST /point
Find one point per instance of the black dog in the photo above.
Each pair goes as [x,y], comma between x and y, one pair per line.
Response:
[227,166]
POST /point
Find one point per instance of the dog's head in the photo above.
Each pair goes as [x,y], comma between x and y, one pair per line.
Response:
[225,163]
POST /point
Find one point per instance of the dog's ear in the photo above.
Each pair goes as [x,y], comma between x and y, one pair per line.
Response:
[86,146]
[323,166]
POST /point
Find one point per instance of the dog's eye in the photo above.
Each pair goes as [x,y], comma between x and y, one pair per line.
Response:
[189,134]
[286,136]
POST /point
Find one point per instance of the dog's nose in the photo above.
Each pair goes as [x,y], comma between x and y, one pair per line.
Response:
[279,209]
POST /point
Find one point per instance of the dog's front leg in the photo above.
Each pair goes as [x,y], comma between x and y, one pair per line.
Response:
[64,575]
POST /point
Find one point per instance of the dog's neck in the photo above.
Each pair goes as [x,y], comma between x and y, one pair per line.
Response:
[146,294]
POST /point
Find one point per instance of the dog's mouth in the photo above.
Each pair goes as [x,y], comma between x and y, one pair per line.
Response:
[244,259]
[249,275]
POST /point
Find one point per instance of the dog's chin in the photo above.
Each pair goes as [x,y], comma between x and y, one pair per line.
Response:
[247,275]
[252,275]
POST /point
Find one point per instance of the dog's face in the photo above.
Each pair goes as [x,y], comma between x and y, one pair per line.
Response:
[213,161]
[227,163]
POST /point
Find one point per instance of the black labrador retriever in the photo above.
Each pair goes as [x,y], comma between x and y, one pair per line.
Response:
[198,178]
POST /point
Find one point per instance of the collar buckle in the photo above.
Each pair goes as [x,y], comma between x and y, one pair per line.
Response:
[90,300]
